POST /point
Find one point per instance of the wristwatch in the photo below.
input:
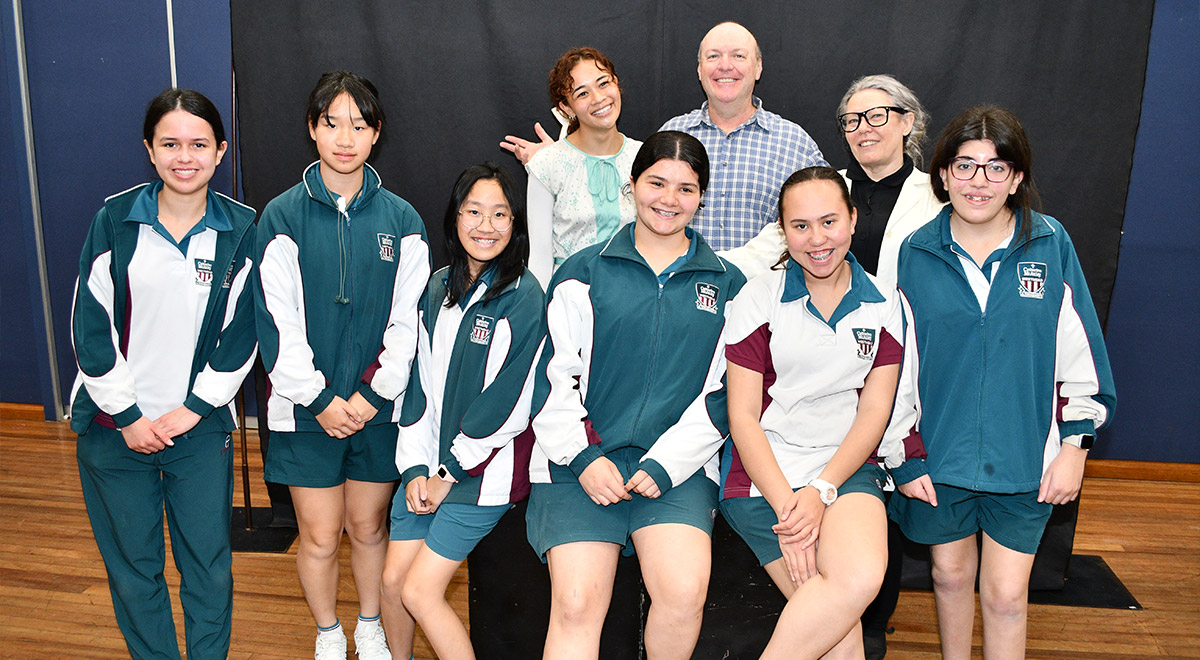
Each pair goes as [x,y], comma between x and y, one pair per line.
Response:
[827,490]
[1083,440]
[445,475]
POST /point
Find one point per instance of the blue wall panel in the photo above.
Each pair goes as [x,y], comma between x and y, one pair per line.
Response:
[92,69]
[21,332]
[1154,327]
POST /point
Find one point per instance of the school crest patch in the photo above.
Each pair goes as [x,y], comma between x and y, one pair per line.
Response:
[1031,279]
[481,329]
[706,297]
[865,337]
[387,247]
[204,272]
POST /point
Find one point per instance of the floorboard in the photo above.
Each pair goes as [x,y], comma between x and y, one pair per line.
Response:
[54,600]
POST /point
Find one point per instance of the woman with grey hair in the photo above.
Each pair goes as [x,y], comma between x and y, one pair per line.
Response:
[883,128]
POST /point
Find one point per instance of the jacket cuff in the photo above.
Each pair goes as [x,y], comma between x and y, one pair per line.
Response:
[584,459]
[909,470]
[127,416]
[1078,427]
[412,473]
[657,473]
[455,468]
[320,403]
[197,405]
[371,396]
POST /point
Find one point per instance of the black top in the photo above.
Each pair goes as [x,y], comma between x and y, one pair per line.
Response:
[875,201]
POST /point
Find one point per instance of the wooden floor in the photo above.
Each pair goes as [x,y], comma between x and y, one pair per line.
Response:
[54,600]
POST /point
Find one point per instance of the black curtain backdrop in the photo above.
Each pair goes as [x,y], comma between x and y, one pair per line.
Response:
[456,77]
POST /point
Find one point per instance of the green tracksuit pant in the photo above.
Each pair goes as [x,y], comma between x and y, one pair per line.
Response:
[126,493]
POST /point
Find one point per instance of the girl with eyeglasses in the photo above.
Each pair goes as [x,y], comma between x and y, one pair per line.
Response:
[1005,380]
[578,186]
[342,264]
[163,330]
[464,447]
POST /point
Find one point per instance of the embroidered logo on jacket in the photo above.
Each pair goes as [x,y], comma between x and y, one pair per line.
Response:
[865,337]
[225,283]
[204,272]
[387,247]
[481,330]
[1031,278]
[706,297]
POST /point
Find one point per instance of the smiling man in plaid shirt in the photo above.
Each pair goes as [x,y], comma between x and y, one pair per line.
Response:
[751,150]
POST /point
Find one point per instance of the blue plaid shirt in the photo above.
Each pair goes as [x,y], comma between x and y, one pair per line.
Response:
[746,169]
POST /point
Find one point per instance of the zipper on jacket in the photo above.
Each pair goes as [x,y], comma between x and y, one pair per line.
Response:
[658,314]
[979,399]
[348,262]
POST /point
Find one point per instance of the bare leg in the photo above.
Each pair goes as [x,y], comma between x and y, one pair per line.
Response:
[822,614]
[425,596]
[676,560]
[1004,599]
[366,508]
[955,565]
[398,623]
[581,584]
[319,516]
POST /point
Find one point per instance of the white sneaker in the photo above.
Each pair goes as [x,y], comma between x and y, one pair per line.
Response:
[370,642]
[331,645]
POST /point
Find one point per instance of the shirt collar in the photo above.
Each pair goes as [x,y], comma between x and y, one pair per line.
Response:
[861,290]
[145,210]
[855,172]
[315,186]
[758,118]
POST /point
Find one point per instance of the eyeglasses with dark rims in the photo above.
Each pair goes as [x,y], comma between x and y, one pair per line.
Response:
[995,170]
[877,116]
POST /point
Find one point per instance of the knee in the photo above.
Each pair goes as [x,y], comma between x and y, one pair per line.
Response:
[320,543]
[861,585]
[953,577]
[683,596]
[365,529]
[418,598]
[1004,599]
[392,583]
[577,608]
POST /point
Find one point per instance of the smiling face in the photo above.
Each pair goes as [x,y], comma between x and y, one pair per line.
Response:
[978,201]
[594,98]
[729,65]
[184,152]
[879,149]
[817,225]
[484,242]
[667,195]
[343,138]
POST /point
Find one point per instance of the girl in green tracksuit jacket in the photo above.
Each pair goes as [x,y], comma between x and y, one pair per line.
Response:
[342,264]
[163,330]
[464,442]
[1005,380]
[633,412]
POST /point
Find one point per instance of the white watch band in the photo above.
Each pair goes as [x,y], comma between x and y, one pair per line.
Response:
[826,490]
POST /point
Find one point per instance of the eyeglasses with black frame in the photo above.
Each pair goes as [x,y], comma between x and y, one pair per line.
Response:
[995,170]
[471,218]
[877,116]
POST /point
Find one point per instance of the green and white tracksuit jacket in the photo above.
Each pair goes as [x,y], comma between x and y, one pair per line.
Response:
[632,362]
[467,403]
[158,323]
[336,297]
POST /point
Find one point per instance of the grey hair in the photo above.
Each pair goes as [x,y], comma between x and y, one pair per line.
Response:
[700,48]
[903,97]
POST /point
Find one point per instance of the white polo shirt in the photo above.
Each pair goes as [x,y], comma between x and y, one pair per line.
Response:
[812,368]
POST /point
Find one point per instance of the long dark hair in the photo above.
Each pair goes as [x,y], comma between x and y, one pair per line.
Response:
[815,173]
[1004,130]
[188,100]
[510,263]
